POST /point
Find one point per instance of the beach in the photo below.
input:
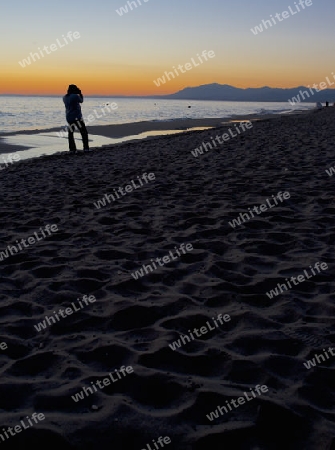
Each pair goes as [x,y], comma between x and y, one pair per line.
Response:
[77,228]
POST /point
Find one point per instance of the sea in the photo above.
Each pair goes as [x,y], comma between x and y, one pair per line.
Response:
[20,114]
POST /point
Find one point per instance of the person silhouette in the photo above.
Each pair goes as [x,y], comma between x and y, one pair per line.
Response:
[74,117]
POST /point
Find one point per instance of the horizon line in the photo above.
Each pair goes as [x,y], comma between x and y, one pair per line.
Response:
[161,95]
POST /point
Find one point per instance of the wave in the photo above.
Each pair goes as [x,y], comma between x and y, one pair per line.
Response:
[3,114]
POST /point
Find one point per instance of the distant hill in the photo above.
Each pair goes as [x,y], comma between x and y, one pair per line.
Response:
[224,92]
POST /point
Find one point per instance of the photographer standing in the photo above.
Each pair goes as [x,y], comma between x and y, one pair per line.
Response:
[74,117]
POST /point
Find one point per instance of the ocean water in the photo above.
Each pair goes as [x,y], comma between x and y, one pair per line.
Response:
[21,113]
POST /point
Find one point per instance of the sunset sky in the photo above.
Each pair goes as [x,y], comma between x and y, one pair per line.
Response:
[123,55]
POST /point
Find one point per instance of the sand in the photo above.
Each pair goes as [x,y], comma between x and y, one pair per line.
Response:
[94,252]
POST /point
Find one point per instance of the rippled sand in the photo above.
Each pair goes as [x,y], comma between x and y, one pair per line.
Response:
[133,322]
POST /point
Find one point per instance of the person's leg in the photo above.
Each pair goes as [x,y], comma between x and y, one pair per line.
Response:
[72,143]
[84,134]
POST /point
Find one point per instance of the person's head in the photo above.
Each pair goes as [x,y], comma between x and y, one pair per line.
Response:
[73,89]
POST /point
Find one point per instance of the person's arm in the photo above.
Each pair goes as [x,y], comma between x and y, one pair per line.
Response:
[81,96]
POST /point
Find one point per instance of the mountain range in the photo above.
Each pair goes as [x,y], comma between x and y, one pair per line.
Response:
[225,92]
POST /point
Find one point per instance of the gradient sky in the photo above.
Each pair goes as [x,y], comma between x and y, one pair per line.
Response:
[122,55]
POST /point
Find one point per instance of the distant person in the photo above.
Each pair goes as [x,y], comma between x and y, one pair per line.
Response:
[74,117]
[327,104]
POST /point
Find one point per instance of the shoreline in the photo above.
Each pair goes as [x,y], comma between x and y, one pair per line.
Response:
[148,125]
[126,130]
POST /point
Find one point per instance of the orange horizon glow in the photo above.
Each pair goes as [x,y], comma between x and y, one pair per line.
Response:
[139,81]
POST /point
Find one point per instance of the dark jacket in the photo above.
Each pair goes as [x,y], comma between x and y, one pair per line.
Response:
[72,106]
